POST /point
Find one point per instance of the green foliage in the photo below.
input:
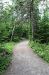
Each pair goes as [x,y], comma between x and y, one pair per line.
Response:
[4,62]
[25,29]
[43,31]
[5,26]
[5,55]
[9,47]
[21,31]
[40,25]
[41,49]
[16,38]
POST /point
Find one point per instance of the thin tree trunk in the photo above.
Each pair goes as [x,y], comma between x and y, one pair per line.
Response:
[12,33]
[30,22]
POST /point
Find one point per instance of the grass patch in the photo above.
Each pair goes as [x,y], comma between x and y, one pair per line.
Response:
[6,50]
[41,49]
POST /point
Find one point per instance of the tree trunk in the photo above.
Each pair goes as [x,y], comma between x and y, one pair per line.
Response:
[12,33]
[33,19]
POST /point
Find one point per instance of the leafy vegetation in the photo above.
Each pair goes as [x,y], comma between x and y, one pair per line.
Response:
[41,49]
[9,47]
[5,55]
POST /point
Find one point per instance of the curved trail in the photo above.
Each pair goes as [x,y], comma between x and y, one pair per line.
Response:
[25,62]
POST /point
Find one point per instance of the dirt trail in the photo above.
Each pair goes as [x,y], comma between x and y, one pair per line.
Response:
[25,62]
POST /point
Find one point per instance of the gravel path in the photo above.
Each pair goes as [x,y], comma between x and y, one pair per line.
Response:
[25,62]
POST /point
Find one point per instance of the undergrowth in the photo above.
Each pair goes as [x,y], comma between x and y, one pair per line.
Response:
[6,50]
[41,49]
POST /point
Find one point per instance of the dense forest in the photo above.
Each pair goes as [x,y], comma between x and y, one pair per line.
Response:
[20,20]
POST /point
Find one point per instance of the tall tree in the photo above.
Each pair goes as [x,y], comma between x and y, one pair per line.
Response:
[34,15]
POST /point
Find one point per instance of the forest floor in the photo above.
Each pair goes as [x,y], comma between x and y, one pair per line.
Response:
[26,62]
